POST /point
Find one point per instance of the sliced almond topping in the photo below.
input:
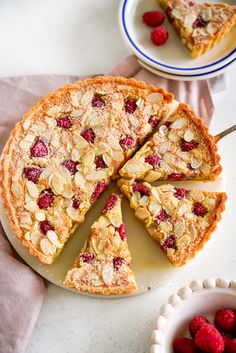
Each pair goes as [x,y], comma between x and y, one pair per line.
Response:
[80,142]
[87,97]
[205,168]
[164,147]
[107,274]
[188,135]
[17,189]
[155,97]
[179,123]
[26,124]
[79,179]
[196,162]
[67,192]
[96,175]
[94,120]
[29,138]
[52,236]
[40,216]
[25,145]
[47,247]
[152,176]
[75,154]
[64,172]
[136,196]
[31,206]
[27,236]
[142,213]
[74,214]
[25,218]
[35,237]
[102,222]
[57,184]
[89,159]
[54,111]
[183,241]
[155,194]
[163,130]
[115,219]
[179,227]
[75,97]
[144,200]
[32,189]
[154,207]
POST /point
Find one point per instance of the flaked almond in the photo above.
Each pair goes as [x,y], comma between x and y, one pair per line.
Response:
[195,162]
[24,145]
[183,241]
[67,192]
[155,194]
[107,274]
[152,176]
[87,97]
[179,123]
[163,130]
[53,237]
[32,189]
[164,147]
[89,159]
[102,222]
[65,174]
[188,135]
[26,124]
[94,120]
[54,111]
[47,247]
[17,189]
[57,183]
[142,213]
[80,142]
[179,227]
[154,207]
[25,218]
[75,154]
[31,206]
[144,201]
[96,175]
[27,235]
[75,97]
[40,216]
[74,214]
[35,238]
[205,168]
[155,97]
[79,179]
[115,218]
[29,138]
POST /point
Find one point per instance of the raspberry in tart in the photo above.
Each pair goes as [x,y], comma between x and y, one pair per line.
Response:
[103,266]
[62,154]
[179,220]
[182,150]
[200,26]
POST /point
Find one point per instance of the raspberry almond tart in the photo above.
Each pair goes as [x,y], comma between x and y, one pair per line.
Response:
[61,156]
[182,148]
[181,221]
[103,266]
[200,26]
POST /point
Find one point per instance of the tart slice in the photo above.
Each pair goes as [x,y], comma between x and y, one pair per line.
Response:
[179,220]
[200,26]
[103,266]
[61,156]
[182,148]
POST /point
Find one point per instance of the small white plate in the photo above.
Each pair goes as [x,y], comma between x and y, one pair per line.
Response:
[198,298]
[205,76]
[150,266]
[172,57]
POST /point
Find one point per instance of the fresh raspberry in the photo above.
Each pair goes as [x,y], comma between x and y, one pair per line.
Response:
[45,226]
[98,102]
[188,146]
[117,262]
[75,203]
[127,142]
[199,22]
[143,189]
[71,166]
[199,210]
[159,36]
[225,320]
[176,176]
[209,339]
[99,161]
[88,135]
[32,174]
[184,345]
[153,18]
[169,243]
[64,122]
[39,149]
[130,105]
[196,324]
[111,203]
[100,187]
[163,216]
[180,193]
[230,344]
[167,123]
[121,231]
[154,121]
[153,159]
[87,257]
[45,199]
[191,3]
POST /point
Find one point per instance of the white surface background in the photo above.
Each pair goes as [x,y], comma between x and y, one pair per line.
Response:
[82,37]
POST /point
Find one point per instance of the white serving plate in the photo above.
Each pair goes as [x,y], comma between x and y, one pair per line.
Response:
[172,57]
[150,266]
[199,77]
[197,298]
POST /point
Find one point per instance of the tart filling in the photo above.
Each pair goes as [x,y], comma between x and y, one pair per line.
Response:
[179,220]
[182,148]
[103,266]
[200,26]
[61,156]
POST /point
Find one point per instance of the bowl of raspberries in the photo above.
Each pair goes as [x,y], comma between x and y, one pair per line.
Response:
[200,317]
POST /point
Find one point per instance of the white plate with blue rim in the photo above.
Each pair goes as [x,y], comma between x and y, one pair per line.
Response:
[172,57]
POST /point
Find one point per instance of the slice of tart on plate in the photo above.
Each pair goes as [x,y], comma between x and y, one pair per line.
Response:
[181,221]
[61,156]
[182,148]
[200,25]
[103,266]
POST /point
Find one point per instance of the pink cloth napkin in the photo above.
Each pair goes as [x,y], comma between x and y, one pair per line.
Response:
[21,290]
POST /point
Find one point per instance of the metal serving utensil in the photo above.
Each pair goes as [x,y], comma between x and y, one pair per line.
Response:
[224,133]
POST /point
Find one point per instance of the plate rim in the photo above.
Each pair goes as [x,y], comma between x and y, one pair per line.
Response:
[139,52]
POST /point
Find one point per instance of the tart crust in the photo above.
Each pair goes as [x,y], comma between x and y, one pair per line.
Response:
[214,20]
[171,219]
[51,107]
[173,154]
[103,266]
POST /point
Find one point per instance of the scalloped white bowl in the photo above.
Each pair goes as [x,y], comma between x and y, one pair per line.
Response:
[198,298]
